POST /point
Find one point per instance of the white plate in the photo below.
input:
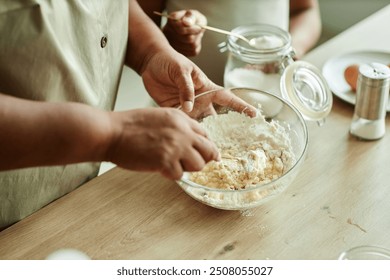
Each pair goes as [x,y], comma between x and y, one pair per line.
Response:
[334,68]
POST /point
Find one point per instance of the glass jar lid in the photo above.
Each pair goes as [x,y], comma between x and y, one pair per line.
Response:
[304,86]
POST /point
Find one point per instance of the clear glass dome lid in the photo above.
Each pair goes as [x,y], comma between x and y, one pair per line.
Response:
[305,87]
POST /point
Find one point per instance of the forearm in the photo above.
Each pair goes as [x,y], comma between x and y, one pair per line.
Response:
[153,5]
[43,134]
[142,29]
[305,25]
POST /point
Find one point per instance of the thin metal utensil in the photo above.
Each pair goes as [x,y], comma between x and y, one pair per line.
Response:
[218,30]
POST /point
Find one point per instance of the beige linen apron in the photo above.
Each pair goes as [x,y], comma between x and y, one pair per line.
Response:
[57,51]
[228,14]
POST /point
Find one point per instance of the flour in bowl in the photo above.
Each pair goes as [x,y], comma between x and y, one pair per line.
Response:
[253,150]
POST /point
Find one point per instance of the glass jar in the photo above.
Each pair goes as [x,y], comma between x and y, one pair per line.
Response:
[366,253]
[267,64]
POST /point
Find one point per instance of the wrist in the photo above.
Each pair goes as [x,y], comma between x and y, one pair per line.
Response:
[90,133]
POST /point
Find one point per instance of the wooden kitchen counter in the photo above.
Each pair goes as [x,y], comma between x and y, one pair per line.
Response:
[340,199]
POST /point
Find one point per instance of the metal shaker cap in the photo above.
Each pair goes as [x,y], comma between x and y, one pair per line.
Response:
[372,91]
[375,74]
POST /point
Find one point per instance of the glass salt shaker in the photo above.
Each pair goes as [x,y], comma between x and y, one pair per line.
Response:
[368,122]
[268,64]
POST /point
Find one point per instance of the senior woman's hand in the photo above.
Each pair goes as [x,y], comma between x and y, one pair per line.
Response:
[172,80]
[161,140]
[183,31]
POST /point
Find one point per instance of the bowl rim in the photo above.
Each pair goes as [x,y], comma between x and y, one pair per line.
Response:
[257,186]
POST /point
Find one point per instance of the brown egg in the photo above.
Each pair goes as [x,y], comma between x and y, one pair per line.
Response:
[351,74]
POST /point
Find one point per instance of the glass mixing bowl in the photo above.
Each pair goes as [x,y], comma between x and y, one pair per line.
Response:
[273,108]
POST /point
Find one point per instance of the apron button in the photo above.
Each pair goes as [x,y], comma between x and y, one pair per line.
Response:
[103,41]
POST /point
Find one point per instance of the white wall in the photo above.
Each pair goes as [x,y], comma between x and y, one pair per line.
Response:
[338,15]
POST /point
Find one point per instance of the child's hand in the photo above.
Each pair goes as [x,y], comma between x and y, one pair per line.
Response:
[183,31]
